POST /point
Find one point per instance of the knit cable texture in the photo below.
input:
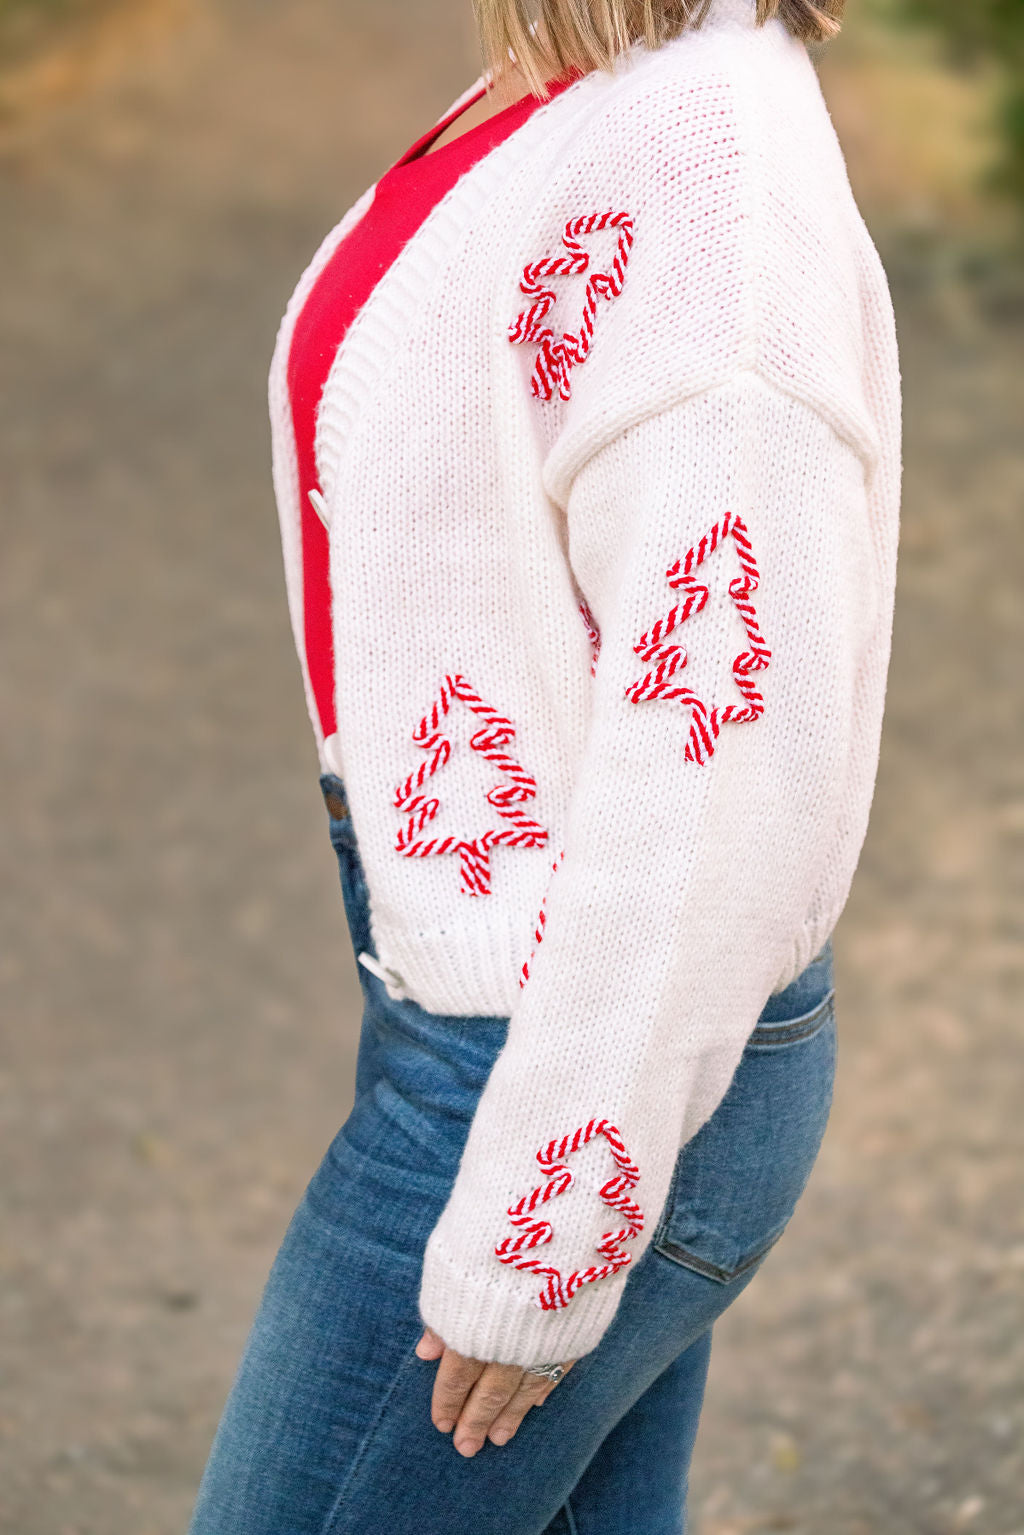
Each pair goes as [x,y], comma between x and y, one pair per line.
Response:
[689,438]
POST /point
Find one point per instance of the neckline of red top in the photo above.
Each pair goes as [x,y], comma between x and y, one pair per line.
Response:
[493,129]
[404,197]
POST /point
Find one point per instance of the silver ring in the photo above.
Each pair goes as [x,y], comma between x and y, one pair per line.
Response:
[551,1372]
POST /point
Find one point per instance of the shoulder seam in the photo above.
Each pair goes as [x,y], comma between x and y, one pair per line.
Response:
[846,428]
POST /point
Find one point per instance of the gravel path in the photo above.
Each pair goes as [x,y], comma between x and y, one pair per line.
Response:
[177,996]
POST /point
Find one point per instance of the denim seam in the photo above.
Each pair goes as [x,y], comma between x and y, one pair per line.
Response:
[686,1259]
[570,1518]
[330,1525]
[794,1028]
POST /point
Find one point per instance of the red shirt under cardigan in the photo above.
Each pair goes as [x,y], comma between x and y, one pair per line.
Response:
[403,199]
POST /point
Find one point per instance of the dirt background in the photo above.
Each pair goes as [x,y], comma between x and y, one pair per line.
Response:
[177,996]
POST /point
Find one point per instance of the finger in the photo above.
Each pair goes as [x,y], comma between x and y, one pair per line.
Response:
[430,1345]
[533,1392]
[455,1378]
[490,1396]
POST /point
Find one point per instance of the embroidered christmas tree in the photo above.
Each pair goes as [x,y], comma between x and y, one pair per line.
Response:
[518,1251]
[515,828]
[666,661]
[558,355]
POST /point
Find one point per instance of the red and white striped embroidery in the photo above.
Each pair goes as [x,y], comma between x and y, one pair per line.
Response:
[491,741]
[667,660]
[538,932]
[593,635]
[534,1232]
[558,355]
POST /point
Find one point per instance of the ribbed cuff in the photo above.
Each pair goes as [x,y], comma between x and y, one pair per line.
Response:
[493,1320]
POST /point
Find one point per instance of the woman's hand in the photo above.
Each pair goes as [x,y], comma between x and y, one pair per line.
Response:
[479,1400]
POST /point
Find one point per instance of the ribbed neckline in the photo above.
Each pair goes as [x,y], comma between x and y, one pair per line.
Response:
[372,337]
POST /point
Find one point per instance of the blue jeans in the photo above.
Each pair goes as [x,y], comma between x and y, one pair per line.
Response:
[327,1429]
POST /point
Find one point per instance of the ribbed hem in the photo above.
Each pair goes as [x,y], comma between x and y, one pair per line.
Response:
[459,974]
[500,1323]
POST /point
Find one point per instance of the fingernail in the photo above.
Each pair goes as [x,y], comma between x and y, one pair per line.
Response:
[501,1436]
[466,1447]
[445,1425]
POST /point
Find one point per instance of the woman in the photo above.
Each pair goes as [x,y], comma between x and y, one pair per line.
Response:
[586,447]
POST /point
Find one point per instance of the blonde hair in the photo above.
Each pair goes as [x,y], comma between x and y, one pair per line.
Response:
[548,38]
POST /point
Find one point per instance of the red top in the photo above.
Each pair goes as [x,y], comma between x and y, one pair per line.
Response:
[404,197]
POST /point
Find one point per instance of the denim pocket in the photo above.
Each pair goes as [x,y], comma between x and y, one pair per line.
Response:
[737,1182]
[776,1036]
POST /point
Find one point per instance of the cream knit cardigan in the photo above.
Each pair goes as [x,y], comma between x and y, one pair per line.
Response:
[641,358]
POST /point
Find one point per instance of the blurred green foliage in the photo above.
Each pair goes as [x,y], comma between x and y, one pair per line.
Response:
[982,31]
[975,27]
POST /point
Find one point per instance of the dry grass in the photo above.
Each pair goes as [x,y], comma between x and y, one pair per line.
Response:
[52,51]
[918,135]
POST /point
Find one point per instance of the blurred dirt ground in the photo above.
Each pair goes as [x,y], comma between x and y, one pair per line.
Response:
[178,1000]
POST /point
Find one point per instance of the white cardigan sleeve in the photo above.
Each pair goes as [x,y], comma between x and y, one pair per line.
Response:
[723,549]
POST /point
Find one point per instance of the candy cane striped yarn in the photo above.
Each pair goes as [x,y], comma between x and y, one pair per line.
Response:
[705,722]
[593,635]
[538,932]
[491,741]
[534,1232]
[557,355]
